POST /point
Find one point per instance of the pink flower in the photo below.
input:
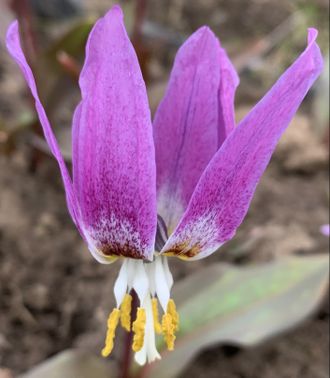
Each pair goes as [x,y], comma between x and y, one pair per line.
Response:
[193,166]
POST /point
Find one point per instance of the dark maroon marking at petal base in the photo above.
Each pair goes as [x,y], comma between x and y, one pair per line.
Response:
[126,250]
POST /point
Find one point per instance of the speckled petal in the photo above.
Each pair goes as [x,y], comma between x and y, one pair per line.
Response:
[224,192]
[192,121]
[15,50]
[113,152]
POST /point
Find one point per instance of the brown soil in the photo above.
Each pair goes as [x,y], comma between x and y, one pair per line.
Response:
[54,296]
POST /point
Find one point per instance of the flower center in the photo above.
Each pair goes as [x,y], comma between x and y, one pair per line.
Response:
[152,282]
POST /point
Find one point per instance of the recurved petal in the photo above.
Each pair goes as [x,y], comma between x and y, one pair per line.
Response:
[223,194]
[113,150]
[15,50]
[193,119]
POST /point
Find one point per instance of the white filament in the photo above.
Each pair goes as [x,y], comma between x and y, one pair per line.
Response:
[161,281]
[120,287]
[168,274]
[148,280]
[140,281]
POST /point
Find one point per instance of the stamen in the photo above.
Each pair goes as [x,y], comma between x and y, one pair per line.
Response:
[168,331]
[125,313]
[152,284]
[138,329]
[157,325]
[171,309]
[112,323]
[170,324]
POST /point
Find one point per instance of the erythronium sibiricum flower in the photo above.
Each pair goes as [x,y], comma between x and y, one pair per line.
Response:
[207,168]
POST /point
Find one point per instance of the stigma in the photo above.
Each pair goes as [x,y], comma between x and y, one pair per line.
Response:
[152,283]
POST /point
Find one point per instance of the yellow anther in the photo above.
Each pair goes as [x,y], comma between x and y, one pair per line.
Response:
[168,330]
[157,325]
[125,314]
[138,329]
[171,309]
[112,323]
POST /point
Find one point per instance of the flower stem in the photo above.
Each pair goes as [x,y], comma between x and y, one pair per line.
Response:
[127,350]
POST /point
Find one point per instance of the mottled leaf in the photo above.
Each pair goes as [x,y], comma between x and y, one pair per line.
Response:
[242,306]
[72,364]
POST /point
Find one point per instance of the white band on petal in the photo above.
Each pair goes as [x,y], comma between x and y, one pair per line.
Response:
[99,257]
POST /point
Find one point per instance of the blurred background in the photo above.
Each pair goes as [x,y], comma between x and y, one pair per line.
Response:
[53,295]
